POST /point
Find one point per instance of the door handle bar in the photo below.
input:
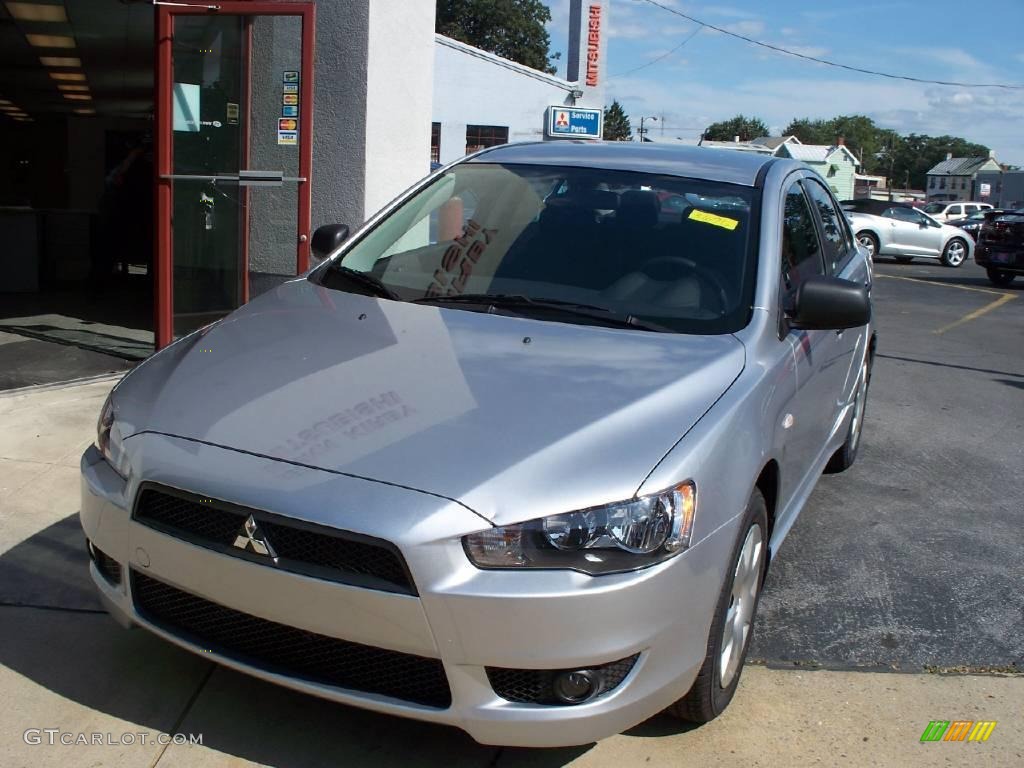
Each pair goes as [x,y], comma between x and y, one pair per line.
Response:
[245,179]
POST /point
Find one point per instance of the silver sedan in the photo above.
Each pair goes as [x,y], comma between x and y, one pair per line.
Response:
[900,230]
[515,457]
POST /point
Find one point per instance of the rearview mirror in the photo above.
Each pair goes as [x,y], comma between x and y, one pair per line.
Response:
[327,239]
[830,303]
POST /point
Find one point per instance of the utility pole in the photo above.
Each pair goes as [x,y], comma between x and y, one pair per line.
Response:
[642,132]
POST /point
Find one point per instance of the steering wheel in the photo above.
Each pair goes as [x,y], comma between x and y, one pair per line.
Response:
[706,276]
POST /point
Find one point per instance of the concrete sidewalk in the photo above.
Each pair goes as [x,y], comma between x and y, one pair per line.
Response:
[65,665]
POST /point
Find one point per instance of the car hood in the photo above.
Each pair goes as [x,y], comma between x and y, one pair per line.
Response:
[513,417]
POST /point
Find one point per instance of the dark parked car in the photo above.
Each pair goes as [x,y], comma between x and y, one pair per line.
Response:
[1001,246]
[972,224]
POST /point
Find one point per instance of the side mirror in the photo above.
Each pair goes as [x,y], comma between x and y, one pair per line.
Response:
[830,303]
[327,239]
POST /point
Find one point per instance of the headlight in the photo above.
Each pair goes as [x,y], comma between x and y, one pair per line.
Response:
[103,427]
[109,438]
[617,537]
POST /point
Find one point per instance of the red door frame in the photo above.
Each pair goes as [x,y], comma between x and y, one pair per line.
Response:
[163,320]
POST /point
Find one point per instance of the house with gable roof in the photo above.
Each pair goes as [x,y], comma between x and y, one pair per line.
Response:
[954,177]
[836,163]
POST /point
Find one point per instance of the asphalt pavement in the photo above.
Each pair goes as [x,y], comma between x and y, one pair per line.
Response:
[911,560]
[26,362]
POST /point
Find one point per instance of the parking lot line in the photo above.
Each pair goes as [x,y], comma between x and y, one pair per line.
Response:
[1003,299]
[978,312]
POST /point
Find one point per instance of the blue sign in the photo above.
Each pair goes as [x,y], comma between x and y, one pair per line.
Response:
[573,123]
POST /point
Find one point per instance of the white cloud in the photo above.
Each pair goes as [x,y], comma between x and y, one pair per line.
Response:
[629,30]
[748,28]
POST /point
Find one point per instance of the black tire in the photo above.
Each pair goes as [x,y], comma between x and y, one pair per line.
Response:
[955,252]
[843,459]
[904,259]
[870,241]
[707,697]
[999,278]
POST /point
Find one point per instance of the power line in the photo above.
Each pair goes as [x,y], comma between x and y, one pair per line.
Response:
[663,56]
[779,49]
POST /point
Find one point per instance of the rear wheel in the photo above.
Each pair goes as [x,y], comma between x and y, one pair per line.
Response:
[999,277]
[954,253]
[733,625]
[904,259]
[869,241]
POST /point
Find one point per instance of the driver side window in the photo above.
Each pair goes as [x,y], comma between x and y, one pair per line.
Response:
[801,250]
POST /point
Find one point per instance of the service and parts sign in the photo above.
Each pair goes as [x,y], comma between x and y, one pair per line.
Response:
[574,123]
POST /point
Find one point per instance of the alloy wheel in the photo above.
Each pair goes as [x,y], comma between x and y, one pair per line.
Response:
[869,243]
[956,252]
[739,618]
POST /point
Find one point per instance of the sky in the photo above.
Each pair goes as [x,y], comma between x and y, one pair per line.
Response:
[714,76]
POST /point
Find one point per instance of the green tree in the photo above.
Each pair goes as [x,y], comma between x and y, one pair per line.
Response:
[746,128]
[860,134]
[512,29]
[903,159]
[616,124]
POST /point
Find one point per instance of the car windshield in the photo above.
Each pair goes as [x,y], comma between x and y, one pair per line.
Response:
[935,208]
[670,253]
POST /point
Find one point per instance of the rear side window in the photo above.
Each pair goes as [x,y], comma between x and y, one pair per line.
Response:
[801,251]
[836,242]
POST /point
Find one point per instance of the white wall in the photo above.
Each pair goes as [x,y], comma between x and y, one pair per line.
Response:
[474,87]
[399,95]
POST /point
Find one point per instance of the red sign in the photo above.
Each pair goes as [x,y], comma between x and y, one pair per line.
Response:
[287,124]
[594,45]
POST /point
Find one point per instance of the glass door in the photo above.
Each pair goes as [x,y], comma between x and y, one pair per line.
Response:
[234,156]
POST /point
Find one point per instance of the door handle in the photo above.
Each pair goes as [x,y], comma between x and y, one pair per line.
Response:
[839,333]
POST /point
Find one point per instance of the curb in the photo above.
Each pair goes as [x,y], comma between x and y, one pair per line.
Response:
[62,384]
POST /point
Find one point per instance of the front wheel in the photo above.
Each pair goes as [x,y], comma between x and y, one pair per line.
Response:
[999,277]
[733,624]
[869,241]
[843,459]
[954,253]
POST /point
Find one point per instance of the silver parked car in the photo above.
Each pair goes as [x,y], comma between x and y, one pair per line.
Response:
[515,457]
[905,233]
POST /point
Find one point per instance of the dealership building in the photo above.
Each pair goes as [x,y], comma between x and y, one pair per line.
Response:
[164,163]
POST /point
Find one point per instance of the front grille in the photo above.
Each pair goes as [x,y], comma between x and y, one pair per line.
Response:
[108,567]
[300,547]
[536,686]
[288,650]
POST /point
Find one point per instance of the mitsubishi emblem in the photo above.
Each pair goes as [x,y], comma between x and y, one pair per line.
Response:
[251,539]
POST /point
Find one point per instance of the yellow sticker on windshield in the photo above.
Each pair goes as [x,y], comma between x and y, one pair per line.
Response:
[712,218]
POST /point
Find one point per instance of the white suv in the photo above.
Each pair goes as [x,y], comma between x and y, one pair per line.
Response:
[949,211]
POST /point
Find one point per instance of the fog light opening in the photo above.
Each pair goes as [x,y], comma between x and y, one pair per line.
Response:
[577,686]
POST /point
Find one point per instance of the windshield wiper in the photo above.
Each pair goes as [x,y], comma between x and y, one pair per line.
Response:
[365,280]
[590,311]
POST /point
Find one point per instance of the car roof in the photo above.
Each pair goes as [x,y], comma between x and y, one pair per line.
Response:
[721,165]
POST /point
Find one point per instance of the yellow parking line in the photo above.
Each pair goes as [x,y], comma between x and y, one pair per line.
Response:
[945,285]
[1003,299]
[978,312]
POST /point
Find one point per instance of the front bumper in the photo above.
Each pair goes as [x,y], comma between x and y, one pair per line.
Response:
[468,618]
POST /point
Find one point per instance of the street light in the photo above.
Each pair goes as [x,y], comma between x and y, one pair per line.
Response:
[641,132]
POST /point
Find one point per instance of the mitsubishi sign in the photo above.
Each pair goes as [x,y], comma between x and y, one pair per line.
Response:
[574,123]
